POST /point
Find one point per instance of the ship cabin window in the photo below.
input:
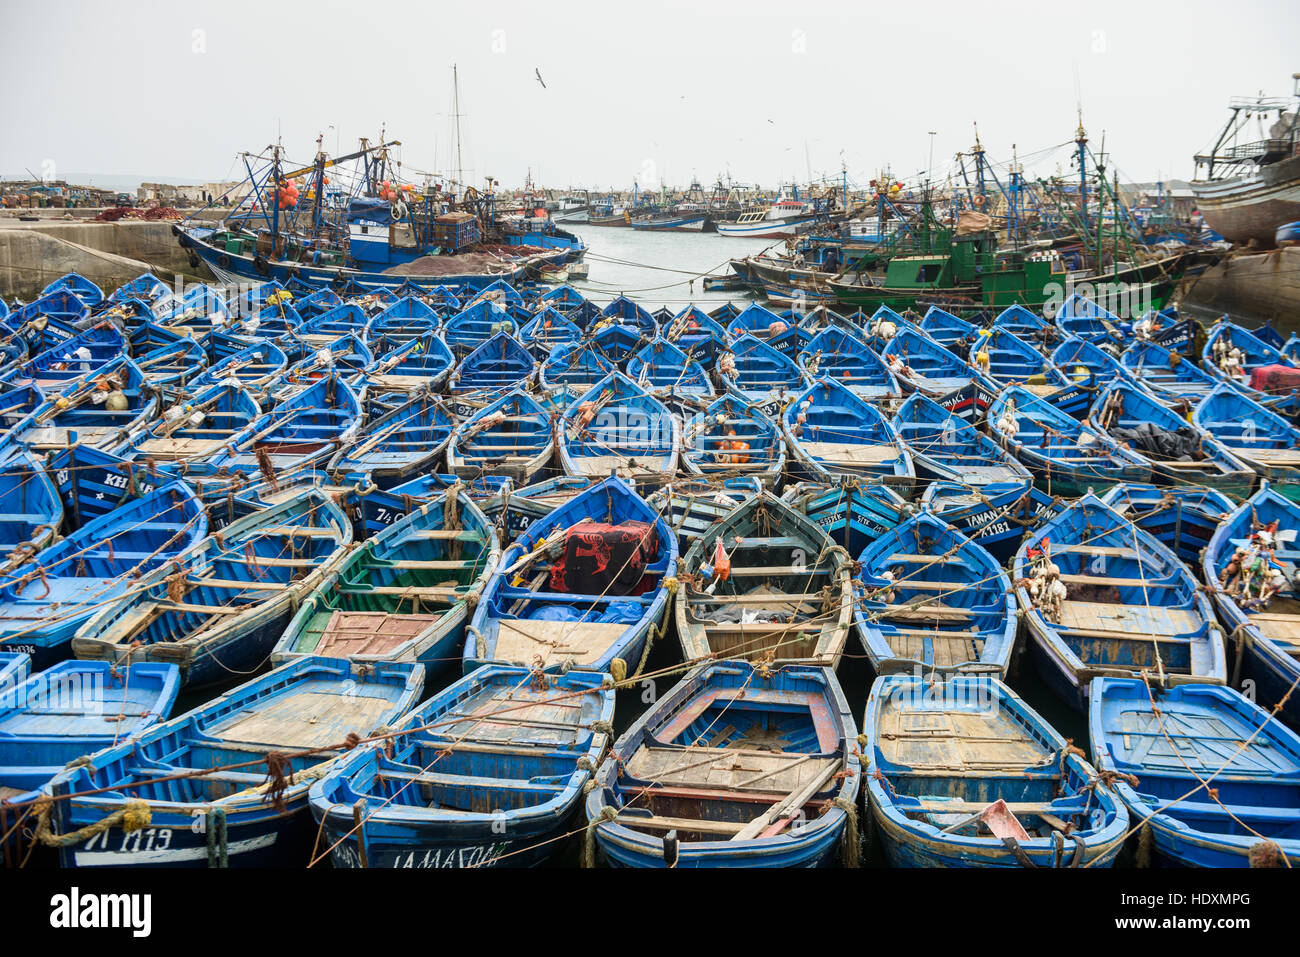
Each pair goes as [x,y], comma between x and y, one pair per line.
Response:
[929,272]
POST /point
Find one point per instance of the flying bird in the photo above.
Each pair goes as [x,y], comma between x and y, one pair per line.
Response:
[538,71]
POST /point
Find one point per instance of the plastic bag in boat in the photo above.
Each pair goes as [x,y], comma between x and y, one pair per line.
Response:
[602,559]
[621,612]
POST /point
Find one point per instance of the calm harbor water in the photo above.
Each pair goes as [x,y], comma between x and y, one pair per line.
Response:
[657,268]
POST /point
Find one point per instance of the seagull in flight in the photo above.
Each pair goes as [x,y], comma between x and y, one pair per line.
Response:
[538,71]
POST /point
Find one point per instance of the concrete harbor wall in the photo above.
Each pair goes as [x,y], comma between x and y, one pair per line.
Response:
[33,254]
[1259,286]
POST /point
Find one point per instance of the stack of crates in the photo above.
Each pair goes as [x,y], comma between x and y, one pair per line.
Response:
[455,231]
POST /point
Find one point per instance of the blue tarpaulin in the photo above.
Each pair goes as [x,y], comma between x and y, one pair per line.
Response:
[371,210]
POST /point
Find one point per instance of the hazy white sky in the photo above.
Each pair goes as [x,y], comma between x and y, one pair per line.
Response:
[647,90]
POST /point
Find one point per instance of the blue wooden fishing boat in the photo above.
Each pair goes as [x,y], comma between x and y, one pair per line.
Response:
[952,332]
[498,365]
[92,482]
[249,819]
[44,600]
[1087,365]
[1258,436]
[783,593]
[194,428]
[146,287]
[397,446]
[15,406]
[1237,356]
[922,365]
[1085,319]
[348,358]
[60,716]
[757,321]
[513,509]
[664,370]
[417,365]
[217,609]
[583,587]
[851,511]
[996,517]
[929,599]
[44,318]
[1183,517]
[345,318]
[405,594]
[98,411]
[31,511]
[79,286]
[1179,452]
[1291,348]
[200,309]
[948,448]
[172,365]
[548,329]
[1167,373]
[563,298]
[514,436]
[831,432]
[474,325]
[760,373]
[313,302]
[961,772]
[616,340]
[575,368]
[256,366]
[1211,774]
[71,361]
[697,333]
[733,441]
[618,427]
[839,354]
[628,314]
[1103,597]
[738,765]
[1025,324]
[1250,566]
[406,318]
[490,774]
[1066,457]
[302,432]
[692,506]
[14,667]
[1008,359]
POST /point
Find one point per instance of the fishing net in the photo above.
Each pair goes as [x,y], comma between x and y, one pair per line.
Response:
[602,559]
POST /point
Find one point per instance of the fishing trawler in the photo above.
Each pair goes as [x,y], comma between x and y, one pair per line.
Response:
[1250,189]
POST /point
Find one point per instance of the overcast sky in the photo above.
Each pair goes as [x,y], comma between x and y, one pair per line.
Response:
[649,90]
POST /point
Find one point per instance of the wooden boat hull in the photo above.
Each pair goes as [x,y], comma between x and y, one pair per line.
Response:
[240,827]
[940,753]
[504,791]
[995,517]
[1252,760]
[815,843]
[1112,623]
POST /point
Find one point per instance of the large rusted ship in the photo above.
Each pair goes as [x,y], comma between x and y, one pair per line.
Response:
[1246,186]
